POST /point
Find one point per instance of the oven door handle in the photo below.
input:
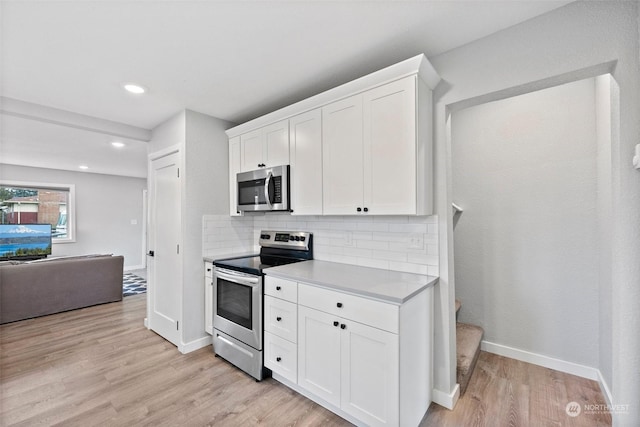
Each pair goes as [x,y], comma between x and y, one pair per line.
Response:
[267,196]
[243,280]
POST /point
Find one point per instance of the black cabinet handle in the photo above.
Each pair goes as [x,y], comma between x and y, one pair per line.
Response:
[278,318]
[335,323]
[366,209]
[339,305]
[343,326]
[278,288]
[278,359]
[151,253]
[359,209]
[208,269]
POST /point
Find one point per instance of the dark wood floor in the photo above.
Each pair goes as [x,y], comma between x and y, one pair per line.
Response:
[101,366]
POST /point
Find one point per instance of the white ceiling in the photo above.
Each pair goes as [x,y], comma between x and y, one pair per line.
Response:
[234,60]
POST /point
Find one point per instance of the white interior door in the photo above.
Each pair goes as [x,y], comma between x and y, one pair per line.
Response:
[165,285]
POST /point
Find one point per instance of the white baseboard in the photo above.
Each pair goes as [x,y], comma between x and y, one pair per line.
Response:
[541,360]
[447,400]
[134,267]
[194,345]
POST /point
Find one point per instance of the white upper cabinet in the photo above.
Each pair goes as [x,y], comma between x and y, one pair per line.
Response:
[234,168]
[305,152]
[265,147]
[342,158]
[389,134]
[371,153]
[364,147]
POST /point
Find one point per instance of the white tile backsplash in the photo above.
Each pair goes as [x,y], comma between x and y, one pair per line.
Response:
[371,241]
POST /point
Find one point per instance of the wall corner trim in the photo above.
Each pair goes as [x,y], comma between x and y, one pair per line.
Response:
[446,399]
[194,345]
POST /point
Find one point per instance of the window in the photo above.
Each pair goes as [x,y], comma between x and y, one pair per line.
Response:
[35,203]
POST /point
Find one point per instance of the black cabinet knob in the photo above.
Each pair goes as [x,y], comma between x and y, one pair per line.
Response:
[278,288]
[278,318]
[359,209]
[339,305]
[278,359]
[343,326]
[366,209]
[335,323]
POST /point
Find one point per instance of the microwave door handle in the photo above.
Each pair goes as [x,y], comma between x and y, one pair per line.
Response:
[267,196]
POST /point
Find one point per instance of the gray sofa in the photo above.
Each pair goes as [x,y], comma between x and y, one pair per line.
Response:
[37,288]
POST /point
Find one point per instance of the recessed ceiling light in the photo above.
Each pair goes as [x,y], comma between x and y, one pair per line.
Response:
[83,167]
[134,88]
[117,144]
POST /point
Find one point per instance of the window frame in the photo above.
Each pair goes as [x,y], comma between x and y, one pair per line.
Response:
[71,207]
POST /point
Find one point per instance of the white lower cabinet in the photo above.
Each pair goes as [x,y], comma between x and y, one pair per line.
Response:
[369,374]
[350,365]
[280,356]
[367,360]
[208,298]
[319,354]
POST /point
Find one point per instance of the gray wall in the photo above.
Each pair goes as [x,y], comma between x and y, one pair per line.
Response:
[561,46]
[105,207]
[526,246]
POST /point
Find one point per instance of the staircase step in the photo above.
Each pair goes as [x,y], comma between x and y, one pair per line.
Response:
[468,339]
[458,305]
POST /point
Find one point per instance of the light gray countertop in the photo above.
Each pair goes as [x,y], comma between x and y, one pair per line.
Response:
[385,285]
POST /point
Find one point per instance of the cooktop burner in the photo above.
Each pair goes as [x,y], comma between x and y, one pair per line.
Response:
[254,264]
[276,248]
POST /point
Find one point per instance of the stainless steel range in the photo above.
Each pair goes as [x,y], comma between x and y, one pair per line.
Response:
[238,297]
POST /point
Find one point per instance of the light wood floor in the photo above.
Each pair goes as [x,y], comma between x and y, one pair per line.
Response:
[101,366]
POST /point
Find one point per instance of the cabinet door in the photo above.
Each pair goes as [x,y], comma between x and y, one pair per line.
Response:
[342,156]
[234,168]
[275,148]
[370,374]
[390,148]
[208,298]
[319,354]
[251,150]
[306,163]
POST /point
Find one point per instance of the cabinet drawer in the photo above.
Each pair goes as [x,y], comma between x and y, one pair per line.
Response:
[281,318]
[281,288]
[281,356]
[366,311]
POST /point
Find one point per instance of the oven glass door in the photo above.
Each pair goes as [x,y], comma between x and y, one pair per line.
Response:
[237,306]
[234,302]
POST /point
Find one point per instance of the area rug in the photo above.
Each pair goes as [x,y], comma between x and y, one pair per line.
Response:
[133,285]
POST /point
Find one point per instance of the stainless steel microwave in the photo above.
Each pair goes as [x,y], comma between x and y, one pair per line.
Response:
[264,189]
